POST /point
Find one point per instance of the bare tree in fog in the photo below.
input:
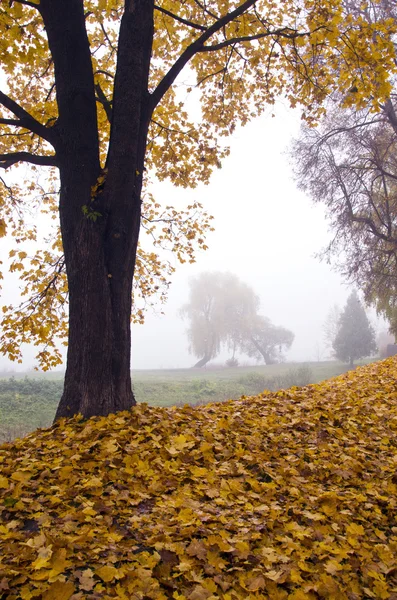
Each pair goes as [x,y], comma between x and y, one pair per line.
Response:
[349,164]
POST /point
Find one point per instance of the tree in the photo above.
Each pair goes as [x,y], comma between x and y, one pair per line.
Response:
[223,311]
[92,96]
[383,340]
[331,326]
[355,338]
[349,164]
[262,339]
[219,306]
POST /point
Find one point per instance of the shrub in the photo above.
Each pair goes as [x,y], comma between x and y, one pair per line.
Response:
[232,362]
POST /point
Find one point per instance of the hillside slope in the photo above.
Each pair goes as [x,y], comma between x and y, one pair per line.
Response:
[287,495]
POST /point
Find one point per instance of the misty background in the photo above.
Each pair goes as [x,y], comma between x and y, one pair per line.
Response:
[266,233]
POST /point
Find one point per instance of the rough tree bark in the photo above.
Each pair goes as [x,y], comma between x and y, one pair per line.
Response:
[100,246]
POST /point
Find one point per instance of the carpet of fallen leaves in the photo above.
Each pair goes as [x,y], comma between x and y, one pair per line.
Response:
[287,495]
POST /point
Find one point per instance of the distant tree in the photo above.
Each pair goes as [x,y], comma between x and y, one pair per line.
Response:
[219,306]
[349,164]
[263,340]
[331,326]
[223,311]
[355,338]
[318,351]
[383,340]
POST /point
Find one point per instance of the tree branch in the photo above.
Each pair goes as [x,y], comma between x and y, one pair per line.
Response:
[206,10]
[180,19]
[27,3]
[13,122]
[249,38]
[7,160]
[191,50]
[103,72]
[390,113]
[26,120]
[101,98]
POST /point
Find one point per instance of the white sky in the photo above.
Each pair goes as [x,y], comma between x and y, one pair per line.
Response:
[267,233]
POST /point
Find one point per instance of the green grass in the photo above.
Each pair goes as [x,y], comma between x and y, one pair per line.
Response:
[27,403]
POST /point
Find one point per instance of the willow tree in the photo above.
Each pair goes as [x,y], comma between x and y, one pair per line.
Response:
[92,97]
[219,309]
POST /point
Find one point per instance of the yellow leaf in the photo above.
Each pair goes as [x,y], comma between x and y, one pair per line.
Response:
[187,516]
[332,567]
[43,559]
[59,590]
[64,472]
[355,529]
[178,443]
[242,548]
[22,476]
[295,576]
[300,595]
[4,482]
[58,563]
[107,573]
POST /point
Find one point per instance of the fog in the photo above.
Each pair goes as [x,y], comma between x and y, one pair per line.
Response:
[266,233]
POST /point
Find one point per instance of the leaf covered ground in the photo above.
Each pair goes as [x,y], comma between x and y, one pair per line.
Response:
[287,495]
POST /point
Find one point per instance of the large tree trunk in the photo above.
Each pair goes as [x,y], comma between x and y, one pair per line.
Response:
[99,225]
[265,354]
[97,379]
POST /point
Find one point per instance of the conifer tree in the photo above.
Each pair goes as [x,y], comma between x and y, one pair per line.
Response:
[355,338]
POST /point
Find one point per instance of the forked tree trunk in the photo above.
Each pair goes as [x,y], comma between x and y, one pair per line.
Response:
[99,226]
[266,355]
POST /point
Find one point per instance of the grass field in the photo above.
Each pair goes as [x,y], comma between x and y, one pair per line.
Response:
[29,401]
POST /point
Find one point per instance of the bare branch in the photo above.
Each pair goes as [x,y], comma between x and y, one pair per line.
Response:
[206,10]
[114,49]
[180,19]
[101,98]
[390,113]
[13,122]
[103,72]
[249,38]
[7,160]
[26,120]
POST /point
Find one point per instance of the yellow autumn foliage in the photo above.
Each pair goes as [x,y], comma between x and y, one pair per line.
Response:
[290,495]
